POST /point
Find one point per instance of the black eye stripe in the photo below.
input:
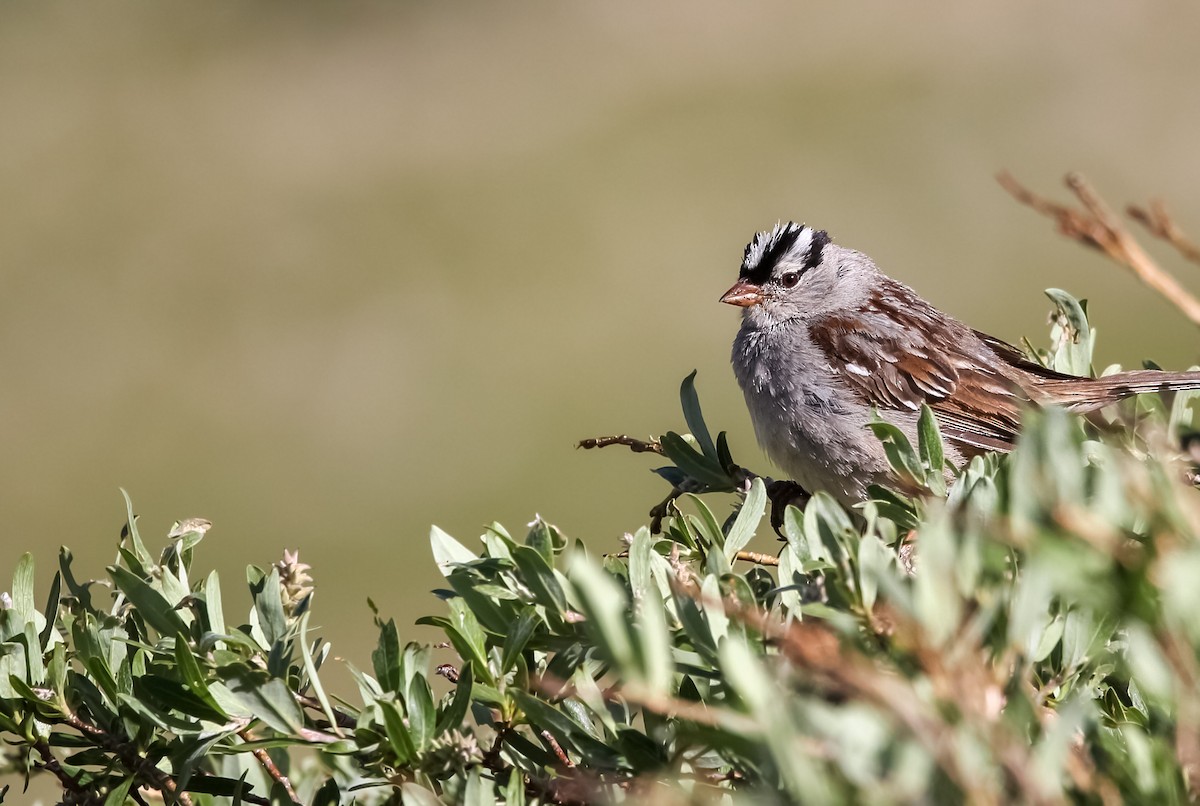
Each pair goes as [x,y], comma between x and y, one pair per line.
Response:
[775,245]
[774,251]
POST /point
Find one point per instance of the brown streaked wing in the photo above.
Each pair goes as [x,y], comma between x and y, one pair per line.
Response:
[977,406]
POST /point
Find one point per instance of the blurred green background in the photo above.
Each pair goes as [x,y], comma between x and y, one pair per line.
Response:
[326,274]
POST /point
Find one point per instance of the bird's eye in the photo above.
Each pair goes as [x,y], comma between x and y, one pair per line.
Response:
[789,279]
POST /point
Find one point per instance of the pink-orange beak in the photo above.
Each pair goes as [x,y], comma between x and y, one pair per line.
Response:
[743,294]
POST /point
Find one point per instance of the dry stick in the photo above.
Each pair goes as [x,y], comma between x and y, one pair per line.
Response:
[1160,224]
[1096,225]
[757,558]
[563,758]
[635,445]
[129,756]
[49,762]
[267,764]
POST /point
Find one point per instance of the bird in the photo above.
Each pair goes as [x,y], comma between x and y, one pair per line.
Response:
[829,343]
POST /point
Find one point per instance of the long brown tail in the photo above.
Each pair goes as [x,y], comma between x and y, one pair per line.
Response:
[1089,394]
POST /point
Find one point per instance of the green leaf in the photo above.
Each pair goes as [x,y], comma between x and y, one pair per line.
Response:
[468,639]
[713,605]
[397,732]
[640,549]
[605,606]
[448,552]
[706,524]
[212,604]
[386,657]
[192,751]
[421,714]
[692,462]
[166,696]
[540,539]
[150,604]
[479,790]
[694,417]
[310,669]
[929,442]
[724,457]
[1071,335]
[420,796]
[23,606]
[51,613]
[655,642]
[269,700]
[193,676]
[566,730]
[145,558]
[517,638]
[118,794]
[747,520]
[874,562]
[268,604]
[80,592]
[539,577]
[899,451]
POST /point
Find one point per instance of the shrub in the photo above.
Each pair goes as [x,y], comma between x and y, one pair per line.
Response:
[1029,634]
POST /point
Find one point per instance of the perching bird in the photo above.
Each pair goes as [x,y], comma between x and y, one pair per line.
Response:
[826,338]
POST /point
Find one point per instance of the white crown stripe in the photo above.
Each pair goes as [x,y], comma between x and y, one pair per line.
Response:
[763,242]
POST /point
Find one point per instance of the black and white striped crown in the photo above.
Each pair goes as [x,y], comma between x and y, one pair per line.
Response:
[800,244]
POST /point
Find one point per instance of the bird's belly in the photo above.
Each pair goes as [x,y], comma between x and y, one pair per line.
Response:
[819,443]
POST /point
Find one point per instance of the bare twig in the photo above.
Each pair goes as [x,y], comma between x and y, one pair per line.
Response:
[1095,225]
[756,558]
[130,758]
[635,445]
[268,764]
[49,762]
[559,753]
[1160,224]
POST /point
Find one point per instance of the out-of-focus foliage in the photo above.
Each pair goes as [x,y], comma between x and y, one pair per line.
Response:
[1031,635]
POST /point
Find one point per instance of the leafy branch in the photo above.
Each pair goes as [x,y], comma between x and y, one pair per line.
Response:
[1023,633]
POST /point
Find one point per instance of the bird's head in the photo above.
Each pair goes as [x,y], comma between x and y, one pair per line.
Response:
[789,272]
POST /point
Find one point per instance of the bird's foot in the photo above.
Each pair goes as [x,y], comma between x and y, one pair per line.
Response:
[783,494]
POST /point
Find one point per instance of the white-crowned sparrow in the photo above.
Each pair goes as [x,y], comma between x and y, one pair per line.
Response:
[826,338]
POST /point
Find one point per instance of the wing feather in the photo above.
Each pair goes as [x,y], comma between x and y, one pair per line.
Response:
[977,405]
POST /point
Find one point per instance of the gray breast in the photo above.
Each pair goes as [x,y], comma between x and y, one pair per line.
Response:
[806,419]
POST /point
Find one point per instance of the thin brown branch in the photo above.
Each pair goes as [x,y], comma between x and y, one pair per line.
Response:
[130,758]
[559,753]
[264,758]
[756,558]
[635,445]
[1097,226]
[49,762]
[1159,223]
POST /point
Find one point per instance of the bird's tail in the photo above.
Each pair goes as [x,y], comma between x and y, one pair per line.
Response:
[1089,394]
